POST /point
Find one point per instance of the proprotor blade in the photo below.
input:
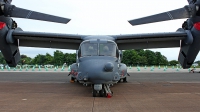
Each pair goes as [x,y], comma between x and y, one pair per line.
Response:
[12,11]
[8,1]
[171,15]
[191,1]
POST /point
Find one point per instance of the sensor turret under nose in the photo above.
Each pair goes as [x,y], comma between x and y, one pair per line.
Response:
[108,67]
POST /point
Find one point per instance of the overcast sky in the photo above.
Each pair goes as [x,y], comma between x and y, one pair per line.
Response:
[99,17]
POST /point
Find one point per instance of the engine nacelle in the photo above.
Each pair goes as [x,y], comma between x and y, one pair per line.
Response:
[188,52]
[10,51]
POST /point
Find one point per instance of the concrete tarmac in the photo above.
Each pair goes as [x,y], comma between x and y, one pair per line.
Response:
[144,92]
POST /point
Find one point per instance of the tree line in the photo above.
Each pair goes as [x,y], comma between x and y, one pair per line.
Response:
[130,58]
[144,57]
[58,58]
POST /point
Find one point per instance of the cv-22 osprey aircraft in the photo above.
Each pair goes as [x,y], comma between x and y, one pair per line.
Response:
[98,60]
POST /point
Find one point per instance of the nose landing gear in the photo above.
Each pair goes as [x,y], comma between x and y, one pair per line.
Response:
[104,92]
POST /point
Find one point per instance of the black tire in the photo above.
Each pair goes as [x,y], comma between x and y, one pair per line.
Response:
[72,78]
[94,93]
[102,93]
[77,81]
[119,81]
[124,80]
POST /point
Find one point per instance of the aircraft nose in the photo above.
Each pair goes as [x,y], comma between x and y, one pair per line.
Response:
[108,67]
[98,70]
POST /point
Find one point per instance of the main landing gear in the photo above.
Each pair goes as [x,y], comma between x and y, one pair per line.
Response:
[102,90]
[124,80]
[72,80]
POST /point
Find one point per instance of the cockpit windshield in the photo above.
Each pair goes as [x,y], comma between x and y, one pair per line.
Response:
[107,49]
[89,49]
[98,49]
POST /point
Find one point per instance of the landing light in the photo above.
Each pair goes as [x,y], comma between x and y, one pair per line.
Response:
[85,79]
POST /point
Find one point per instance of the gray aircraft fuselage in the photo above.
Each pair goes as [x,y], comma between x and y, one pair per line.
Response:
[100,65]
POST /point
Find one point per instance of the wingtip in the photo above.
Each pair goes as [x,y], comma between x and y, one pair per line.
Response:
[67,21]
[130,22]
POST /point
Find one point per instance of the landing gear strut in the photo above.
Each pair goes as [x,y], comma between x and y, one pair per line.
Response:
[109,93]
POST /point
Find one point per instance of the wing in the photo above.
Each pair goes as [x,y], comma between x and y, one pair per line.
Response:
[47,40]
[152,40]
[11,39]
[187,40]
[189,46]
